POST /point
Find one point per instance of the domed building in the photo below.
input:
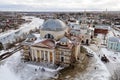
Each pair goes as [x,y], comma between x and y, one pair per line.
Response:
[53,29]
[54,47]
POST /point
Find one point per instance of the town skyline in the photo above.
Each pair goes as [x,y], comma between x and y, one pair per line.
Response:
[59,5]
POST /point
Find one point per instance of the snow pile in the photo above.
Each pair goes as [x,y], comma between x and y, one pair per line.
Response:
[7,74]
[7,71]
[95,71]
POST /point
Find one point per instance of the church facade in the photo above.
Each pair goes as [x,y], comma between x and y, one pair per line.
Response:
[52,45]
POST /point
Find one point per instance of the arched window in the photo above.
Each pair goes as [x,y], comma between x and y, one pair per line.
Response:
[62,57]
[49,36]
[87,41]
[82,42]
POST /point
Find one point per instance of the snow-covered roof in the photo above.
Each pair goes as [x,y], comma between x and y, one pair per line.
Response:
[53,25]
[64,39]
[101,27]
[48,43]
[33,35]
[114,39]
[77,32]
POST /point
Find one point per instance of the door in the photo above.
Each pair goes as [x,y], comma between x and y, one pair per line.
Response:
[51,56]
[62,59]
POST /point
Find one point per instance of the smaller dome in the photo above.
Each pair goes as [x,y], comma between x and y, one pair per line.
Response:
[53,25]
[64,40]
[31,37]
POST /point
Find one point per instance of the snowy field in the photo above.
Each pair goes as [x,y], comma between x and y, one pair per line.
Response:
[14,69]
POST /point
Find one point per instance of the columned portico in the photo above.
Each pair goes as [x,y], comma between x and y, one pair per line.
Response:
[43,55]
[32,55]
[53,57]
[36,55]
[48,56]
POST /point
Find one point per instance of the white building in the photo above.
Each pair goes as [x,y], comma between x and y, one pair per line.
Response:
[113,43]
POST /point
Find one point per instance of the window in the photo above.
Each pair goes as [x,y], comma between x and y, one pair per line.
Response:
[49,36]
[111,45]
[82,42]
[62,57]
[63,43]
[42,55]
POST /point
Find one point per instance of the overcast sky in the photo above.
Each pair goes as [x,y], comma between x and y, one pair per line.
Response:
[59,5]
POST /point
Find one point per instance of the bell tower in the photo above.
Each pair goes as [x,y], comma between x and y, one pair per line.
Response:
[84,20]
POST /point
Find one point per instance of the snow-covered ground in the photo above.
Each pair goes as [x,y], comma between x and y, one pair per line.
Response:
[95,71]
[18,70]
[113,57]
[14,69]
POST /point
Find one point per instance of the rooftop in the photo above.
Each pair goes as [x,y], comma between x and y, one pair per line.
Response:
[114,39]
[53,25]
[102,27]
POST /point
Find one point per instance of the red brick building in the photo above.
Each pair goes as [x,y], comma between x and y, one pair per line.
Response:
[101,30]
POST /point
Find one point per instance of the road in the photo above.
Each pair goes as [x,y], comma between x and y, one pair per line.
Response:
[8,54]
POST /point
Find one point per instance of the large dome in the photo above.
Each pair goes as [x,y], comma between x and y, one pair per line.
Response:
[53,25]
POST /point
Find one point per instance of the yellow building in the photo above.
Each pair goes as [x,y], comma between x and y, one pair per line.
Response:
[52,46]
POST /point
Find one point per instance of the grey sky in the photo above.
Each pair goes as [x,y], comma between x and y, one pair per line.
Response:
[48,5]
